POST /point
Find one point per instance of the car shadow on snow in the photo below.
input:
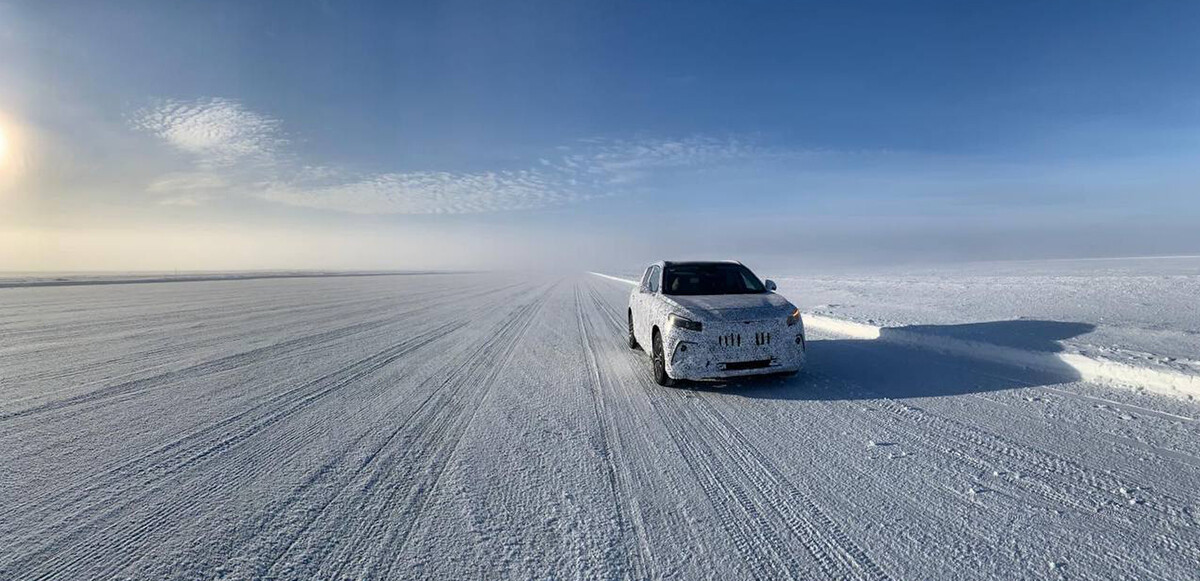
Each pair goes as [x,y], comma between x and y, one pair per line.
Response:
[894,367]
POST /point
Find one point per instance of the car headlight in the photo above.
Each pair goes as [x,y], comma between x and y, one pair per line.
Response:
[683,323]
[794,317]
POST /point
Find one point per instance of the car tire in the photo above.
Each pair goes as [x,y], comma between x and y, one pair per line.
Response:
[633,344]
[658,361]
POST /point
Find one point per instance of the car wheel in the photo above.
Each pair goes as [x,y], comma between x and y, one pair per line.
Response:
[659,360]
[633,344]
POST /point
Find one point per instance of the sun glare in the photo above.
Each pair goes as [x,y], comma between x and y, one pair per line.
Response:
[4,145]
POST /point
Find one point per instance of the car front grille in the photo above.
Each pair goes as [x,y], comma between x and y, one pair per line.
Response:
[761,338]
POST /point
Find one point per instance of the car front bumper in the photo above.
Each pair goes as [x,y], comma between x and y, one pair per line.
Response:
[738,349]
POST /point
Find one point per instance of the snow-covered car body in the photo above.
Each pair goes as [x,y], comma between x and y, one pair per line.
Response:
[713,320]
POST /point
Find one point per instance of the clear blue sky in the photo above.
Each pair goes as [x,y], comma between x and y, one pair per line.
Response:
[546,132]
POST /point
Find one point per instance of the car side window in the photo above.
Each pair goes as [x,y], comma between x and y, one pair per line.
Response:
[645,285]
[653,284]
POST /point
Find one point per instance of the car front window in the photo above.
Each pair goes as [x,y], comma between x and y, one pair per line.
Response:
[711,279]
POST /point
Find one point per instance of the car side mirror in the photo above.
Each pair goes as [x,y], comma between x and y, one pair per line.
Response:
[770,285]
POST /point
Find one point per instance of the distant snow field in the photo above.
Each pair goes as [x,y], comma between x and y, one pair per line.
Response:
[491,426]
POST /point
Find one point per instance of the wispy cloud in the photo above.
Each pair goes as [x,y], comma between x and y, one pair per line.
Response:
[429,192]
[188,181]
[185,200]
[217,132]
[235,149]
[614,156]
[620,162]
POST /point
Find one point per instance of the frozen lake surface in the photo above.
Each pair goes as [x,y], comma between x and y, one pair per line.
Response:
[485,426]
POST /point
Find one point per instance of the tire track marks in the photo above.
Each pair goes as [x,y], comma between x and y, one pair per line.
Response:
[106,499]
[257,544]
[274,352]
[439,425]
[391,487]
[639,559]
[1092,489]
[766,515]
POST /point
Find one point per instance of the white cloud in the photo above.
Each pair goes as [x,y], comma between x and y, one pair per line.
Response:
[235,149]
[217,132]
[186,181]
[619,155]
[185,200]
[621,162]
[429,193]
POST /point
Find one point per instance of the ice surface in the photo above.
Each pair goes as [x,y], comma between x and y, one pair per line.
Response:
[494,426]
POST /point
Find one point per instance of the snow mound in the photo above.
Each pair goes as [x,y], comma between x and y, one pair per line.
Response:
[1086,368]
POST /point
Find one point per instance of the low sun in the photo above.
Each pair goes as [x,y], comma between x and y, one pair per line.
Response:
[3,145]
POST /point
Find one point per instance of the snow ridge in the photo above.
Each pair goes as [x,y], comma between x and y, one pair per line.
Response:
[1168,382]
[616,278]
[1083,367]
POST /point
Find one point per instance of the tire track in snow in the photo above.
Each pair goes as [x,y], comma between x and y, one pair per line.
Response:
[630,524]
[182,451]
[675,545]
[180,456]
[977,533]
[271,352]
[293,516]
[186,453]
[1117,562]
[168,470]
[822,536]
[396,480]
[455,423]
[1094,488]
[739,517]
[749,493]
[226,363]
[985,454]
[1099,493]
[737,473]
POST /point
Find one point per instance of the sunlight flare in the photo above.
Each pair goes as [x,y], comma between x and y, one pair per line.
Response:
[3,145]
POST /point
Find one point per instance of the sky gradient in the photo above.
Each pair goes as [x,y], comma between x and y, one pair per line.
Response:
[239,135]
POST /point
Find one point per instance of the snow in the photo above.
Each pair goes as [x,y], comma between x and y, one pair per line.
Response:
[1129,322]
[40,279]
[1148,376]
[496,425]
[1139,310]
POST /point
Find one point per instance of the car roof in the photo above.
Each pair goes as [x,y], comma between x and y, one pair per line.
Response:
[697,262]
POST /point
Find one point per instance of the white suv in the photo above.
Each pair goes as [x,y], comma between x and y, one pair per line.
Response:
[713,320]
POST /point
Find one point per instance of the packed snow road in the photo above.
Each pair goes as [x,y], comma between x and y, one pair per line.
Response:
[485,426]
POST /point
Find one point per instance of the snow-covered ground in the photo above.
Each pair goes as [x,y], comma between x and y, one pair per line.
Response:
[1137,313]
[471,426]
[1146,306]
[41,279]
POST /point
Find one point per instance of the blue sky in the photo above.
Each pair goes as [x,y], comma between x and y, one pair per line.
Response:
[355,135]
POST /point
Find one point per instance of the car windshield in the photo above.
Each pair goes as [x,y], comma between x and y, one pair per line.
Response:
[710,279]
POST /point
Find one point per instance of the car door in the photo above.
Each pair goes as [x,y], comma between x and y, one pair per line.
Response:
[646,305]
[636,307]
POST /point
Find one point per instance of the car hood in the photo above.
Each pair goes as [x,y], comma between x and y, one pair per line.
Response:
[732,307]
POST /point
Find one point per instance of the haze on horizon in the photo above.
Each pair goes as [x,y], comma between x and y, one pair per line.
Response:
[138,135]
